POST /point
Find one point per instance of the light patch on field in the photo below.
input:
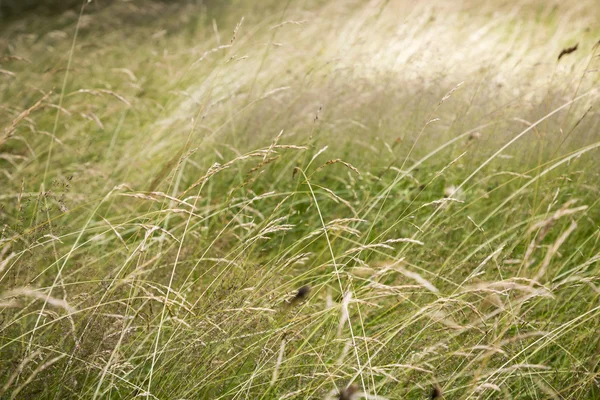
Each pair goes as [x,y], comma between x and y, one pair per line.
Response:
[421,44]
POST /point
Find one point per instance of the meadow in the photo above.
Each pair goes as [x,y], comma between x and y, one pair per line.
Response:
[301,199]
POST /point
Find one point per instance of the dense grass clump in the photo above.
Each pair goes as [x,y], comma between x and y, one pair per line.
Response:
[379,200]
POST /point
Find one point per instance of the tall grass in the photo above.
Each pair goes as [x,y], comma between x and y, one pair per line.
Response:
[380,200]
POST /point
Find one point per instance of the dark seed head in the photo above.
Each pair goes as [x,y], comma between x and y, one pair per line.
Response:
[302,293]
[347,393]
[568,50]
[436,392]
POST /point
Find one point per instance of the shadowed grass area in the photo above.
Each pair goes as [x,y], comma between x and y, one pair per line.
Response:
[301,200]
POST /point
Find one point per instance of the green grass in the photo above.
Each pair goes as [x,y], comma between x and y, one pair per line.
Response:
[430,171]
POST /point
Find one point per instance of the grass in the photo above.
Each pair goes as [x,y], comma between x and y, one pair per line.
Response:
[301,200]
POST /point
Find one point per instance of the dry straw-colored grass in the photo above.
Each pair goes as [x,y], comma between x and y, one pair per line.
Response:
[382,200]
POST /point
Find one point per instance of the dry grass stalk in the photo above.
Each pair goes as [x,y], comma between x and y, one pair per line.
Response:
[28,292]
[8,131]
[336,161]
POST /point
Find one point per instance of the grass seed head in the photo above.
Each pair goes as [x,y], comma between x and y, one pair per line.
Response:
[568,50]
[436,392]
[302,293]
[348,392]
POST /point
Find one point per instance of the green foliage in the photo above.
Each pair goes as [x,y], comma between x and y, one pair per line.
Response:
[174,174]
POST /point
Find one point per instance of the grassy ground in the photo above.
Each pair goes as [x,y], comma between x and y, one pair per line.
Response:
[387,199]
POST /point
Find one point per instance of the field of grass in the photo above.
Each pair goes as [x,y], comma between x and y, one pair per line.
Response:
[301,199]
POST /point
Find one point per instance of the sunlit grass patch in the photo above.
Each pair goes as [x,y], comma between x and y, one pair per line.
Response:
[386,200]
